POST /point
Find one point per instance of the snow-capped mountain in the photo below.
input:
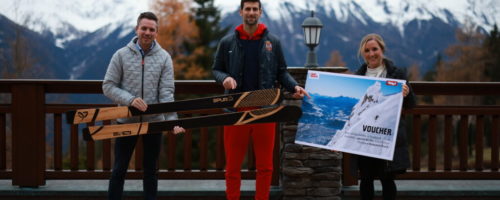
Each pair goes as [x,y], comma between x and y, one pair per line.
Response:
[322,116]
[70,20]
[88,32]
[484,13]
[415,31]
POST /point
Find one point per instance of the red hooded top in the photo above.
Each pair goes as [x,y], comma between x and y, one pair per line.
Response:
[261,28]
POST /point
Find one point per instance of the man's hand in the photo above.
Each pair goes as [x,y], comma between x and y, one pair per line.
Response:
[139,104]
[178,129]
[229,83]
[300,92]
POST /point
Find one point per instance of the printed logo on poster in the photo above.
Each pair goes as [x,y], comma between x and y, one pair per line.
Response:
[391,83]
[314,75]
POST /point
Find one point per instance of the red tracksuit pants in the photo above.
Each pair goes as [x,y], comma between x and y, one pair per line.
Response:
[236,140]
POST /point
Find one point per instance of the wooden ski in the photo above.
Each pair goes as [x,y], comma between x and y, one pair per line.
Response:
[237,100]
[264,115]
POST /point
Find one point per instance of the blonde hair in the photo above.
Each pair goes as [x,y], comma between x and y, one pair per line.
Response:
[372,36]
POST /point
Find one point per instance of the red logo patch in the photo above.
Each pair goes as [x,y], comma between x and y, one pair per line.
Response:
[269,46]
[391,83]
[314,75]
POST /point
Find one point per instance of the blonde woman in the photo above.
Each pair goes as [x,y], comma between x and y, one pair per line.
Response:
[372,48]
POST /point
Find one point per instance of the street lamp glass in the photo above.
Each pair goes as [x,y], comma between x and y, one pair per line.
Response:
[307,35]
[318,32]
[311,35]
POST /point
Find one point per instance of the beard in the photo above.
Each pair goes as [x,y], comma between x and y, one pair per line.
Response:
[251,21]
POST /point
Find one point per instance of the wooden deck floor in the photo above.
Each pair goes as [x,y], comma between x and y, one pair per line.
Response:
[436,189]
[214,189]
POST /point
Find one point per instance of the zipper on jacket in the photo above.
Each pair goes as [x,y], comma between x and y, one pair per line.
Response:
[142,80]
[142,84]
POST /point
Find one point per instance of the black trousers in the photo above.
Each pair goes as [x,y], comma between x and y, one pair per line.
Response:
[124,147]
[369,170]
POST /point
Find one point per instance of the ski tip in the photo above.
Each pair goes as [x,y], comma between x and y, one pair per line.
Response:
[70,117]
[86,134]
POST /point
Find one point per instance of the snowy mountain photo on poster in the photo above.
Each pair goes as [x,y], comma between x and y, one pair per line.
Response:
[349,113]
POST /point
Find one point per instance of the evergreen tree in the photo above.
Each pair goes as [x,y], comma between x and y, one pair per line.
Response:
[431,74]
[492,44]
[207,19]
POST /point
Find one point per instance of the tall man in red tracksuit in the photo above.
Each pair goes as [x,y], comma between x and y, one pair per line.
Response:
[250,59]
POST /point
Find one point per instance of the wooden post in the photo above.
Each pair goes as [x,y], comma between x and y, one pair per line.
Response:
[3,142]
[347,176]
[28,135]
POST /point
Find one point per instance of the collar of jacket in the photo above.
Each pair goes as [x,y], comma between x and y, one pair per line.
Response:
[132,46]
[138,46]
[389,65]
[259,33]
[238,40]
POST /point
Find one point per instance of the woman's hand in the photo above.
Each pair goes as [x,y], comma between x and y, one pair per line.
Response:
[406,90]
[178,129]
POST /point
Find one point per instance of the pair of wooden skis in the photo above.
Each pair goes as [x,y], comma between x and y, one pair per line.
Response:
[267,97]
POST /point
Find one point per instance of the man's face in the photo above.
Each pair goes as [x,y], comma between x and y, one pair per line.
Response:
[146,31]
[251,13]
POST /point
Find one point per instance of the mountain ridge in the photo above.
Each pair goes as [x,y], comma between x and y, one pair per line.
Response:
[418,41]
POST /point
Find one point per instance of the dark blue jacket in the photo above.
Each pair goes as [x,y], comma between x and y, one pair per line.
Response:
[229,62]
[401,160]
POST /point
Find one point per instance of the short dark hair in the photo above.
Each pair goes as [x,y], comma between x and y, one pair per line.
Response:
[147,15]
[243,3]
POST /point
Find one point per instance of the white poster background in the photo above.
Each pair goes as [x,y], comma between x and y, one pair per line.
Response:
[349,113]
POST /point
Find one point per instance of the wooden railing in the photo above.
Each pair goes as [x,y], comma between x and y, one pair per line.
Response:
[444,139]
[440,137]
[32,119]
[464,133]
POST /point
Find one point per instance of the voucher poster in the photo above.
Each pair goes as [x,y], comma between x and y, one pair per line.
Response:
[349,113]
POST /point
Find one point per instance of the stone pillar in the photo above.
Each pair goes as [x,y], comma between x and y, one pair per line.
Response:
[307,172]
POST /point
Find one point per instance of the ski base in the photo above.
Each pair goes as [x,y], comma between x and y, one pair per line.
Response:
[255,98]
[264,115]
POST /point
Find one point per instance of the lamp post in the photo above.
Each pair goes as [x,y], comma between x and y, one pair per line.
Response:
[312,29]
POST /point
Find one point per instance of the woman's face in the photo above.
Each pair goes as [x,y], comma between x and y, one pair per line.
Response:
[373,54]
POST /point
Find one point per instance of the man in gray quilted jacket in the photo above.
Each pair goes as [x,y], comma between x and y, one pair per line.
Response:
[139,74]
